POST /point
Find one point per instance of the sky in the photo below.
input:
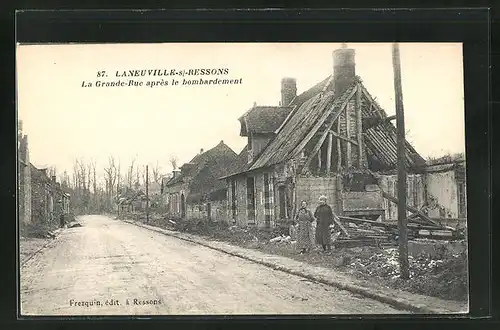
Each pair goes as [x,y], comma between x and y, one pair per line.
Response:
[65,121]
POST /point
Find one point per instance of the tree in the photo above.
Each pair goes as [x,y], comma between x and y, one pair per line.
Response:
[173,162]
[111,175]
[156,173]
[130,174]
[51,171]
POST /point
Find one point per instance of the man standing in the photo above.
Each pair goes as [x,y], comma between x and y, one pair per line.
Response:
[324,218]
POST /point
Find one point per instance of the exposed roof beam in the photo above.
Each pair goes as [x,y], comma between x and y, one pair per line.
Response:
[321,121]
[375,121]
[343,138]
[325,133]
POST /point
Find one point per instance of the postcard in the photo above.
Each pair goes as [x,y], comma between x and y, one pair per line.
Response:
[241,179]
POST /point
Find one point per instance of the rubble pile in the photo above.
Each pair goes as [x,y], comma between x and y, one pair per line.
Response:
[386,264]
[282,239]
[444,277]
[362,232]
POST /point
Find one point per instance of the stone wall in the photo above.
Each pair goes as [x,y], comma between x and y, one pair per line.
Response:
[200,211]
[443,187]
[310,189]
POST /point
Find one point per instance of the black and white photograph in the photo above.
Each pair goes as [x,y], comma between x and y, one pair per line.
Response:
[241,179]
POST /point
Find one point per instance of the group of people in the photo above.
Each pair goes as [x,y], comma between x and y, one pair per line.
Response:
[324,217]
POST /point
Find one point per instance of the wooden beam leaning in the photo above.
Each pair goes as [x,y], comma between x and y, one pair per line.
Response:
[339,149]
[343,138]
[319,159]
[348,133]
[411,209]
[359,122]
[320,122]
[329,153]
[325,133]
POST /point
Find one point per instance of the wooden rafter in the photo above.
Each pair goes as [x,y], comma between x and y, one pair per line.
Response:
[339,149]
[359,125]
[320,122]
[343,138]
[328,129]
[329,153]
[348,133]
[375,121]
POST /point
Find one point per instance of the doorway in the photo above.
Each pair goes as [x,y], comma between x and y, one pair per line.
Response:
[183,206]
[251,200]
[209,211]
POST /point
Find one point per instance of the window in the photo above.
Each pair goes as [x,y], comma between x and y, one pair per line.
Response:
[267,200]
[233,200]
[282,202]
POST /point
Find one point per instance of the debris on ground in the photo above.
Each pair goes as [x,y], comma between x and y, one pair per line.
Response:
[368,253]
[440,277]
[281,239]
[74,224]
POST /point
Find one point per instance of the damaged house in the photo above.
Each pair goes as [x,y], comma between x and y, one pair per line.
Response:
[195,190]
[48,199]
[332,140]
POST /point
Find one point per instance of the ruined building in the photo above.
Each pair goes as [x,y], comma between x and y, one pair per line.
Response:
[24,179]
[333,139]
[195,190]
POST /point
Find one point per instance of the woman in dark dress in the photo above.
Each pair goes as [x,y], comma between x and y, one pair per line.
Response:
[324,218]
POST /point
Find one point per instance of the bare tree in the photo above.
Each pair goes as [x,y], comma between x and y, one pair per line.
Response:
[110,179]
[137,176]
[173,162]
[96,201]
[83,174]
[156,173]
[130,174]
[51,171]
[118,179]
[65,180]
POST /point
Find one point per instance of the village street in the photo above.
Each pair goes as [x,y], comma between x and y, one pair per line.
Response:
[110,260]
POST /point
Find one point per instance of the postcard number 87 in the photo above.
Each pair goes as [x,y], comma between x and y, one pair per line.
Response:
[101,74]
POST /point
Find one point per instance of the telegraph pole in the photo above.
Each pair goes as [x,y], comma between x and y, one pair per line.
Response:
[401,149]
[147,194]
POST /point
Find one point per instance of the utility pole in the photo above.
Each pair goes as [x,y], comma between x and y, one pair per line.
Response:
[401,149]
[147,194]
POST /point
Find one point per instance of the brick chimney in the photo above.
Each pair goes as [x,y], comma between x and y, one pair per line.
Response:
[344,69]
[288,91]
[201,150]
[53,178]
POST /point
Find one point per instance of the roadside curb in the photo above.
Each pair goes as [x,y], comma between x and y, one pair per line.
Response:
[380,294]
[50,240]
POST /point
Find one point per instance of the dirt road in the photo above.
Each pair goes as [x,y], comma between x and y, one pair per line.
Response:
[108,267]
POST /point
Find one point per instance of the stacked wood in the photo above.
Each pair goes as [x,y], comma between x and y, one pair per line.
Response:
[369,232]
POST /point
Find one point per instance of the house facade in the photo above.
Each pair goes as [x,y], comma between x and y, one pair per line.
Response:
[195,190]
[331,140]
[48,199]
[24,179]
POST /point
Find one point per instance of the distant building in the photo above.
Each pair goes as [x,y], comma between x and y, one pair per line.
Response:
[195,190]
[48,200]
[24,179]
